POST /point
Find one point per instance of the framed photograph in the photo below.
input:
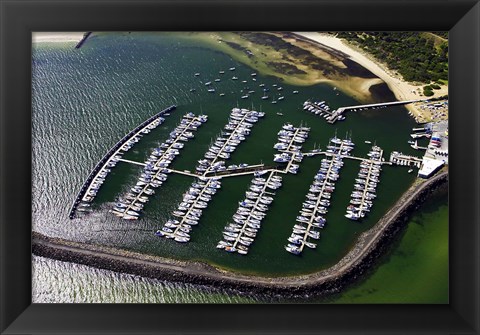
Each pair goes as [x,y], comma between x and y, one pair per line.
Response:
[224,167]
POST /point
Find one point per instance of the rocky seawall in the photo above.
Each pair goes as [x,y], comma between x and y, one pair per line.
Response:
[362,257]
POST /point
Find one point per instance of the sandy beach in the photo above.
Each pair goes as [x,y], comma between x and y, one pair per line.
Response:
[56,37]
[403,90]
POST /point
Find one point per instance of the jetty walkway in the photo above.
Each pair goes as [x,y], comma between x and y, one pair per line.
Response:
[339,111]
[332,116]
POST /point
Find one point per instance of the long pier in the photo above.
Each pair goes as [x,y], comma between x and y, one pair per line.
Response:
[238,126]
[188,214]
[111,153]
[374,167]
[131,162]
[339,111]
[321,196]
[250,214]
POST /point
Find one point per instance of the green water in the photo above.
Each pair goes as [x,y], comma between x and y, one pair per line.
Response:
[85,100]
[416,270]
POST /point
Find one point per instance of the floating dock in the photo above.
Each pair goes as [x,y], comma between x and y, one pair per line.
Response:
[102,165]
[240,235]
[235,131]
[367,180]
[156,166]
[190,210]
[290,140]
[318,199]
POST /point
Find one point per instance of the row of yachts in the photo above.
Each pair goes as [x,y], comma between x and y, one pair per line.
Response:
[235,131]
[202,189]
[365,185]
[189,211]
[116,155]
[320,108]
[290,140]
[155,171]
[315,207]
[240,234]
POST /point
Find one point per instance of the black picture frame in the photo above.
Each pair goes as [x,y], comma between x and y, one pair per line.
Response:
[19,18]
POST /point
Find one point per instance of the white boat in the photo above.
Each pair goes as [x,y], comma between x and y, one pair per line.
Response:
[292,249]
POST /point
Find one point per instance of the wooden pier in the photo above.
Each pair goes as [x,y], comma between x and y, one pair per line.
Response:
[131,162]
[335,114]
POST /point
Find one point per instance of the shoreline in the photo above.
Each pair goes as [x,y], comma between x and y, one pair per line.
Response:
[369,246]
[402,89]
[56,37]
[355,86]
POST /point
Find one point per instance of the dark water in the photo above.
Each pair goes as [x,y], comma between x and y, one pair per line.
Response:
[85,100]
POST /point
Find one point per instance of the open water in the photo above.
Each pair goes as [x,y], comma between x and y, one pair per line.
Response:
[85,100]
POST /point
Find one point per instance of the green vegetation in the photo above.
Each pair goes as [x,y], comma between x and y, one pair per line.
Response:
[427,91]
[418,57]
[435,86]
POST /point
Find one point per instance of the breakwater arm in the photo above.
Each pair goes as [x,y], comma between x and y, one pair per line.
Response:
[83,40]
[361,257]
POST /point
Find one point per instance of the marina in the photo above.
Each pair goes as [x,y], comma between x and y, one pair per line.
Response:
[239,235]
[366,184]
[202,189]
[155,168]
[96,178]
[315,207]
[189,210]
[83,101]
